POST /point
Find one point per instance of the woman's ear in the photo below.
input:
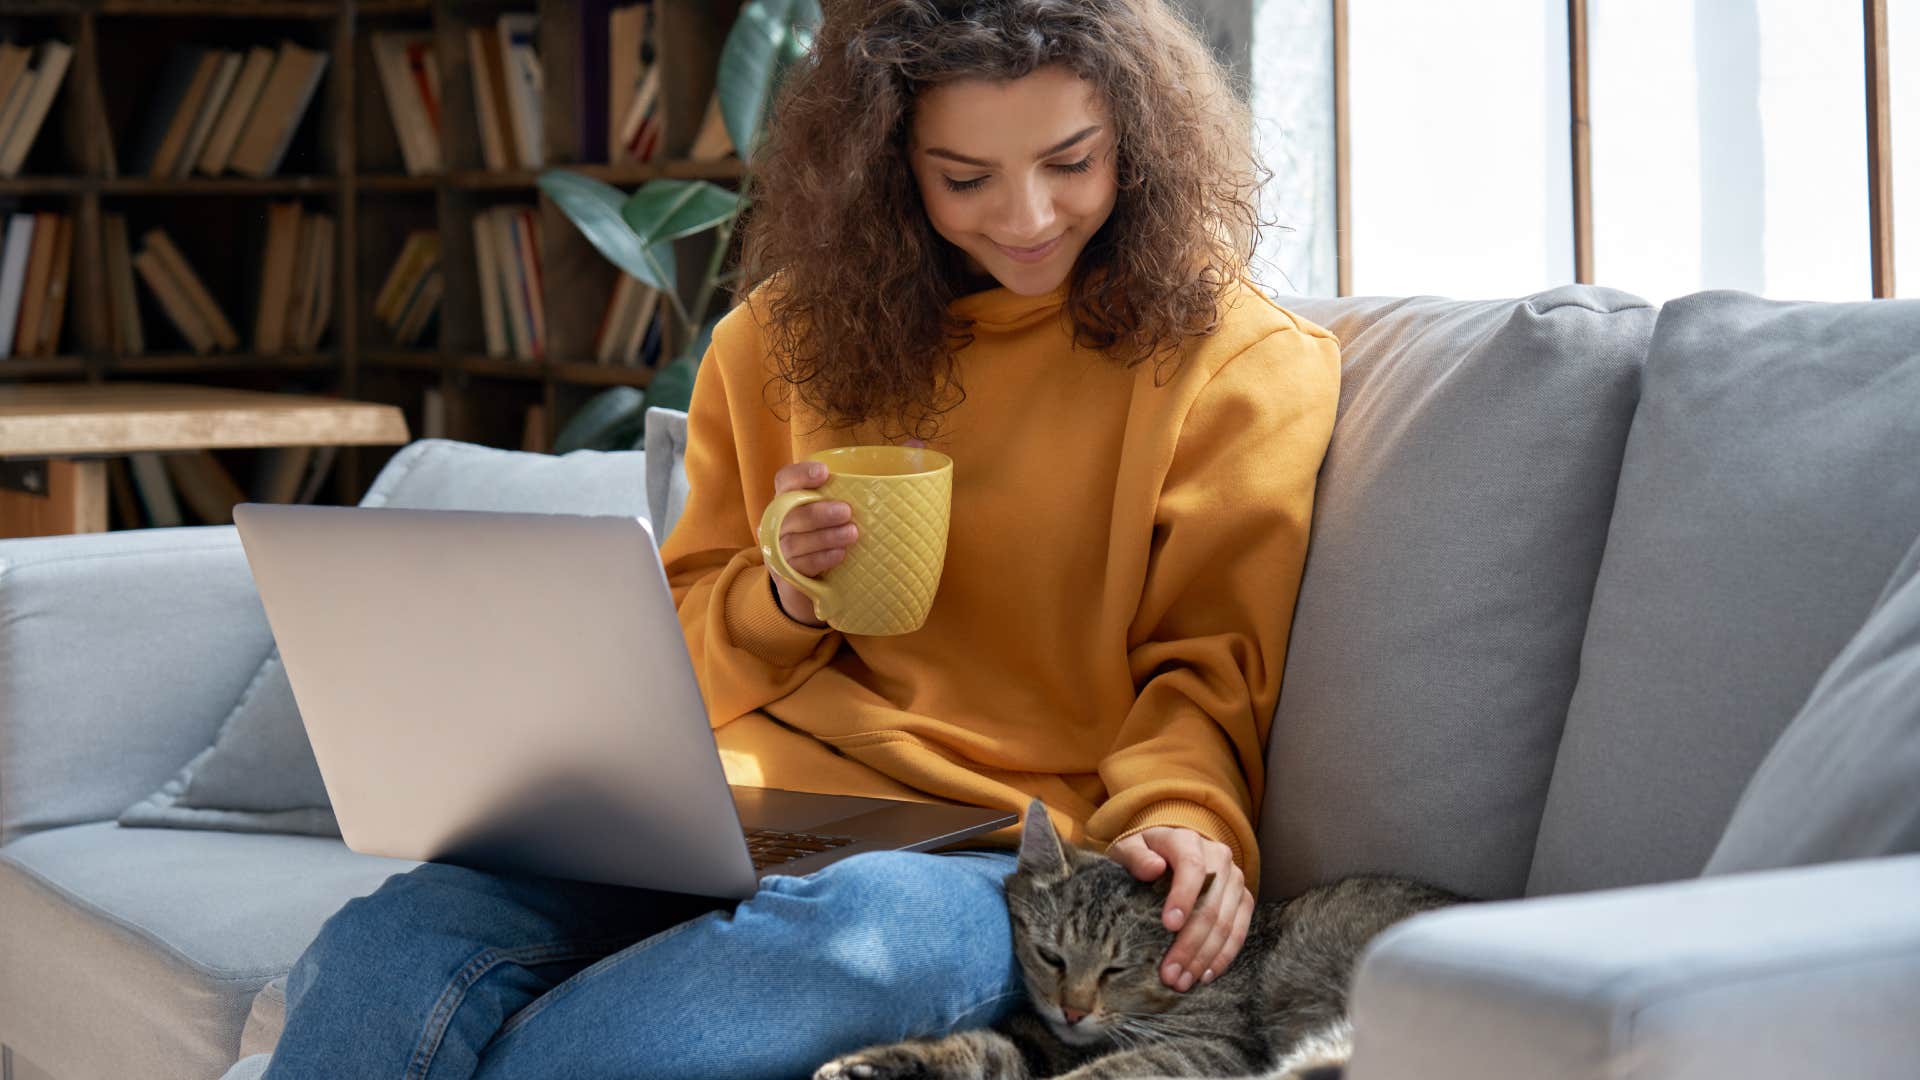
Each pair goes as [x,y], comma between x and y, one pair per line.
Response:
[1042,856]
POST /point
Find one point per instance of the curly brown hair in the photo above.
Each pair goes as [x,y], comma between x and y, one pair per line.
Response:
[860,326]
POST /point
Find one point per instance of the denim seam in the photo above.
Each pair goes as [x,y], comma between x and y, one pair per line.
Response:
[482,962]
[539,1005]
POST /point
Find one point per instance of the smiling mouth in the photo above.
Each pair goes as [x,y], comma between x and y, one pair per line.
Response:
[1031,252]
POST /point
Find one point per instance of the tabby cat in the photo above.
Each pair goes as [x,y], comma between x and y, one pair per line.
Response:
[1089,939]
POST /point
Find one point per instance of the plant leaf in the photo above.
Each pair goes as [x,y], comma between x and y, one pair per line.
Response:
[609,420]
[666,210]
[596,209]
[757,51]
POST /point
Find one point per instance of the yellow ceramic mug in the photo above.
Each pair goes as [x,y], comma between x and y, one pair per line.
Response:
[901,498]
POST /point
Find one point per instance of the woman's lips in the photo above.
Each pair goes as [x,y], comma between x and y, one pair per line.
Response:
[1030,255]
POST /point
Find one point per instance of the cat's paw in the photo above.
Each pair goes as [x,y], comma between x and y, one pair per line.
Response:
[877,1063]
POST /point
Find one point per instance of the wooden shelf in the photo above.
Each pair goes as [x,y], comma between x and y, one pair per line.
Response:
[346,162]
[179,362]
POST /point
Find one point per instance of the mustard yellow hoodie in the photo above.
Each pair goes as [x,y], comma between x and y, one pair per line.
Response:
[1120,578]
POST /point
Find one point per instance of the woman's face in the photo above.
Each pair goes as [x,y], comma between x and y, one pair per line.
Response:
[1018,175]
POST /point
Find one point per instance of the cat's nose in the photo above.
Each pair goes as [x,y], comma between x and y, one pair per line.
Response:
[1072,1014]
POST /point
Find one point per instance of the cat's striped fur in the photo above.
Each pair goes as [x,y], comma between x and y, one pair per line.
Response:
[1088,935]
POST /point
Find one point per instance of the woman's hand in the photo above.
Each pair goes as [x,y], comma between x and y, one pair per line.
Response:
[1211,928]
[814,537]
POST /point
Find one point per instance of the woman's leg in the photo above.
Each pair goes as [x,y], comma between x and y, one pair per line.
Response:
[874,948]
[410,982]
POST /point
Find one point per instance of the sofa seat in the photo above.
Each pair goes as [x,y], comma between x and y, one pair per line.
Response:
[191,924]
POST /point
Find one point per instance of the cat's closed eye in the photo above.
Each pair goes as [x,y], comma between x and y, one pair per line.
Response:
[1117,969]
[1053,959]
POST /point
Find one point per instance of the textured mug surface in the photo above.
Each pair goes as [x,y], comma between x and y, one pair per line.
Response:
[902,500]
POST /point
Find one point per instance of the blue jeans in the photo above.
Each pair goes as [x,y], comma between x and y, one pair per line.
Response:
[448,972]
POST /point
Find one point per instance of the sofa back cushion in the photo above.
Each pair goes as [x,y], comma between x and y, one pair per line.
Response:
[1843,781]
[1771,483]
[259,773]
[1457,531]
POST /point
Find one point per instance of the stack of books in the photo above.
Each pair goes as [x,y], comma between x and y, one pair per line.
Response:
[506,245]
[410,78]
[217,110]
[29,79]
[182,295]
[505,66]
[411,293]
[35,264]
[296,280]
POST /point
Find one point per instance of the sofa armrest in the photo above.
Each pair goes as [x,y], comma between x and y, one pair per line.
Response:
[120,654]
[1812,971]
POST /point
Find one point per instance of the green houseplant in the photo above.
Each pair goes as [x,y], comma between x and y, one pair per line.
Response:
[636,231]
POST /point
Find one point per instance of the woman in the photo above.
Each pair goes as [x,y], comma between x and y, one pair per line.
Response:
[1017,231]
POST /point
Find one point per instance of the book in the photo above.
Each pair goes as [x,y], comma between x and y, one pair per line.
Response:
[156,491]
[205,484]
[283,101]
[210,109]
[279,471]
[527,236]
[642,345]
[420,308]
[395,55]
[642,128]
[13,276]
[513,294]
[123,308]
[196,292]
[433,413]
[712,143]
[182,112]
[322,311]
[487,263]
[235,110]
[180,310]
[49,70]
[521,61]
[418,255]
[126,506]
[323,457]
[15,105]
[486,107]
[33,289]
[277,268]
[533,430]
[13,64]
[54,315]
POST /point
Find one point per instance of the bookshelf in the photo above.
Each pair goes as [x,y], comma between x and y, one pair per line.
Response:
[344,160]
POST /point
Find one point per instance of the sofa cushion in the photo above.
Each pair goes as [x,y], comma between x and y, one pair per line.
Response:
[137,952]
[1770,485]
[259,774]
[1457,532]
[1843,782]
[666,443]
[175,613]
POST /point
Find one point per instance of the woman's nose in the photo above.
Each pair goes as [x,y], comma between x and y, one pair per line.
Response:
[1030,218]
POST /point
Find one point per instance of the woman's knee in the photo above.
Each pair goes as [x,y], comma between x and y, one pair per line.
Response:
[909,926]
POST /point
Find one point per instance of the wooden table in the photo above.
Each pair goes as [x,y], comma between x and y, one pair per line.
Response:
[55,438]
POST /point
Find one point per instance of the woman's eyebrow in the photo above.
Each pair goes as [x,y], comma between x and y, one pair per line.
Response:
[941,152]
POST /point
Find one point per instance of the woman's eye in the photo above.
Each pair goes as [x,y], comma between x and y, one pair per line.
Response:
[963,185]
[1080,166]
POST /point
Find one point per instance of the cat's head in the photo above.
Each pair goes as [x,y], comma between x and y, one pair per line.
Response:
[1088,937]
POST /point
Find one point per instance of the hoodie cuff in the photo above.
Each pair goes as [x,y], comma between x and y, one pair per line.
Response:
[756,623]
[1178,813]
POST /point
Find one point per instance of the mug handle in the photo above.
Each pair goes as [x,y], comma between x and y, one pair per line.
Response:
[783,504]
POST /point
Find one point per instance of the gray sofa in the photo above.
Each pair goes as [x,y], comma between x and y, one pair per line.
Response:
[1611,616]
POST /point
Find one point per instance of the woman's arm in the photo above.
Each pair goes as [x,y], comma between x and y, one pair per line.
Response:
[746,651]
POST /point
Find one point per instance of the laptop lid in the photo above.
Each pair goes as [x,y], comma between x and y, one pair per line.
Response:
[502,690]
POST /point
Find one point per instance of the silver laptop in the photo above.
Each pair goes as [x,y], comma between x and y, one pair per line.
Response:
[512,692]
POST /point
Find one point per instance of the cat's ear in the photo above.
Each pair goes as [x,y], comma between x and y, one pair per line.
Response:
[1042,856]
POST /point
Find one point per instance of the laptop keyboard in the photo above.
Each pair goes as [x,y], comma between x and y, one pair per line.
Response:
[771,848]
